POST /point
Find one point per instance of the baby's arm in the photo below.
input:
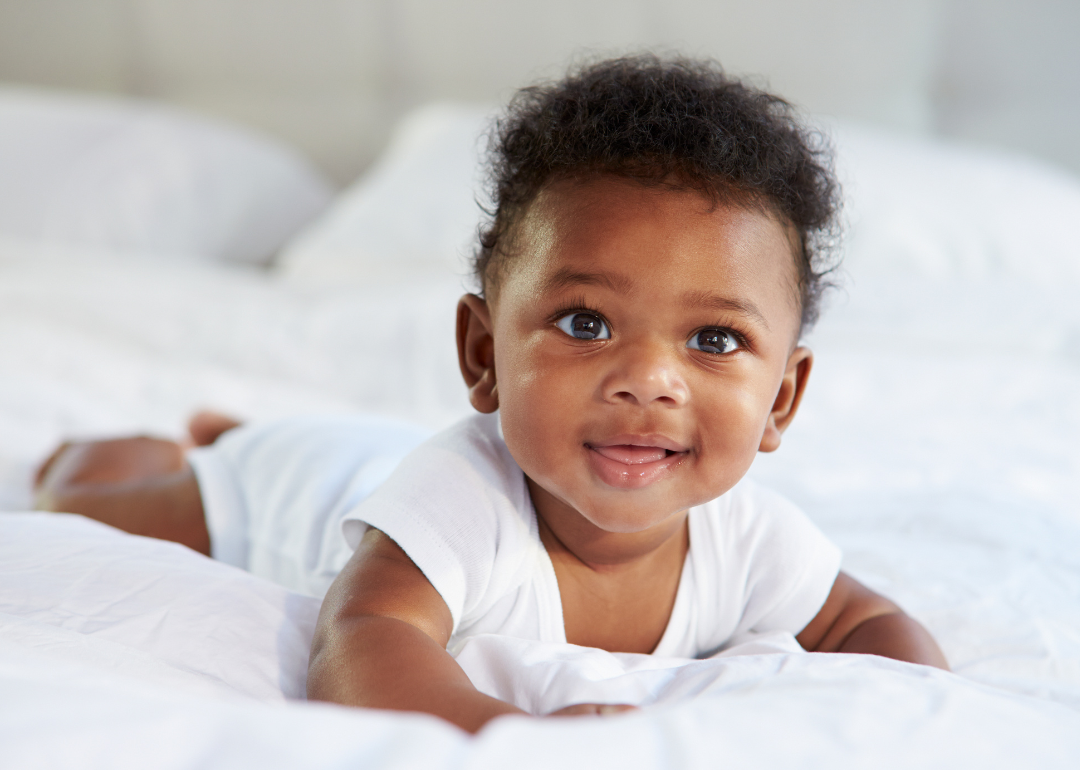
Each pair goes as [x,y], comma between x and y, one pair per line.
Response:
[381,642]
[855,619]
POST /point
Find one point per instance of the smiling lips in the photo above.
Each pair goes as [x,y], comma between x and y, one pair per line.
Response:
[632,462]
[629,454]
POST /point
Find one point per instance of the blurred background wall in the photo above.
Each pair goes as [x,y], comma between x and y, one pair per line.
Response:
[331,76]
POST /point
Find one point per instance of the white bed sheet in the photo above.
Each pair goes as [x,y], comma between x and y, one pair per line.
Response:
[936,446]
[123,652]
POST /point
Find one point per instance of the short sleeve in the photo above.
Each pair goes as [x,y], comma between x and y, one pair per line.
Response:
[790,566]
[459,508]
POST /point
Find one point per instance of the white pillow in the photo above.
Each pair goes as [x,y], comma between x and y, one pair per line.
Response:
[415,213]
[914,208]
[942,212]
[123,175]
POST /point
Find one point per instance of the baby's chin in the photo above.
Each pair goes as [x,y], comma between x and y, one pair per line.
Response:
[619,511]
[622,515]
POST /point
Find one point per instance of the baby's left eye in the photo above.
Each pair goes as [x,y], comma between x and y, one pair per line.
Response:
[584,326]
[714,341]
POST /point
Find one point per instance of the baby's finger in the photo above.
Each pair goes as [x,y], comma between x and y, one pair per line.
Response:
[206,426]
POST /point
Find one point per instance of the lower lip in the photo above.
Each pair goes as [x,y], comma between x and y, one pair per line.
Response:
[624,476]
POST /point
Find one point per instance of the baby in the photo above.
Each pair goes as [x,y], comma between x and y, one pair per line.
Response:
[650,267]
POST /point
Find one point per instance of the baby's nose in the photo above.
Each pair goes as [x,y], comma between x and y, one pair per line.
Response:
[647,374]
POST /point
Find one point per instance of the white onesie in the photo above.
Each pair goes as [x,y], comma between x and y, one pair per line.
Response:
[459,507]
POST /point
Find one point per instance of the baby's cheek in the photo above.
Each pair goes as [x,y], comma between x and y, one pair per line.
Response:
[732,428]
[521,370]
[526,419]
[538,425]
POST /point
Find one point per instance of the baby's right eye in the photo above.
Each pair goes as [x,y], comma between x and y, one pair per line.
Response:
[584,326]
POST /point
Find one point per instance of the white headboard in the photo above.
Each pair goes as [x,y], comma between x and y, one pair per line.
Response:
[331,76]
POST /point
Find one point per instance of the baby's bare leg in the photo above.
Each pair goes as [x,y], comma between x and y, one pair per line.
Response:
[140,485]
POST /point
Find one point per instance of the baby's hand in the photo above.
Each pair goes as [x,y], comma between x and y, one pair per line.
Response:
[594,709]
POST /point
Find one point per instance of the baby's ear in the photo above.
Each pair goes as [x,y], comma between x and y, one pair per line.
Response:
[787,398]
[476,352]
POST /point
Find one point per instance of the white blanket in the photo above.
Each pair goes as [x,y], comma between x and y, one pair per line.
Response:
[122,652]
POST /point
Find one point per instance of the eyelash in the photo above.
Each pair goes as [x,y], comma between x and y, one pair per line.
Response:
[577,305]
[744,343]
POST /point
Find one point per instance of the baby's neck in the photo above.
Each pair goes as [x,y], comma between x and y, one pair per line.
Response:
[566,534]
[617,589]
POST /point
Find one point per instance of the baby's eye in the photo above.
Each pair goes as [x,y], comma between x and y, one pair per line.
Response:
[714,341]
[584,326]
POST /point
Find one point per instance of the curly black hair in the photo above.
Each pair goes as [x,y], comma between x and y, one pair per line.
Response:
[661,120]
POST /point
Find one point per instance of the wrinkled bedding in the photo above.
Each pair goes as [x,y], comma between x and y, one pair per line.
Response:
[145,654]
[936,446]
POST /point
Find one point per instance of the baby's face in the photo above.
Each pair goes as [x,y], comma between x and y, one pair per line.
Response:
[640,338]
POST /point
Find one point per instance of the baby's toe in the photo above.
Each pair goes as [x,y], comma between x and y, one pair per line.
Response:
[206,427]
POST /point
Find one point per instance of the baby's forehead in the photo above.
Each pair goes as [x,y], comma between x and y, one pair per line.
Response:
[579,220]
[640,240]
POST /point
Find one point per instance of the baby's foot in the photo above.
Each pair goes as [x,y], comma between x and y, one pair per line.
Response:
[205,427]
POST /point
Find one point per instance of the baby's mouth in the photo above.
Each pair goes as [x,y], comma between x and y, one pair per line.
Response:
[634,462]
[630,454]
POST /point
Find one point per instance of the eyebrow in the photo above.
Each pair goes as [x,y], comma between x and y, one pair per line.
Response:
[566,277]
[716,302]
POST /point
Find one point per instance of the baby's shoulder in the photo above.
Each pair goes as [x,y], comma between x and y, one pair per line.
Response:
[472,457]
[752,525]
[477,439]
[749,506]
[463,477]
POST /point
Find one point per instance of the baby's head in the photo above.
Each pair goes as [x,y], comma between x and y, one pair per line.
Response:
[654,256]
[680,123]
